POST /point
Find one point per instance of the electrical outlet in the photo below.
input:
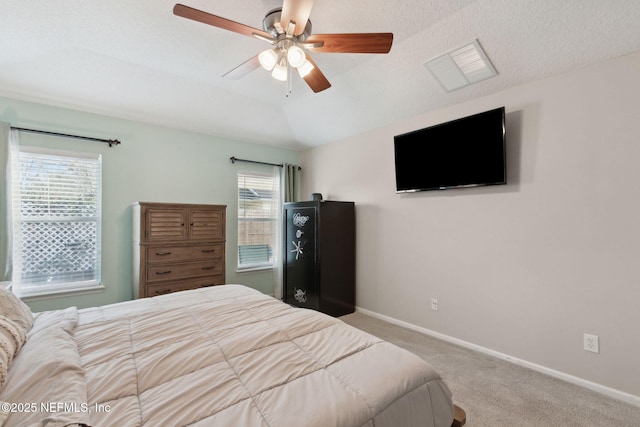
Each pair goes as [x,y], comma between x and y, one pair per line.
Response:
[434,304]
[591,343]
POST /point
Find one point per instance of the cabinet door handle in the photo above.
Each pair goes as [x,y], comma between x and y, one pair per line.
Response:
[163,272]
[208,250]
[209,268]
[163,253]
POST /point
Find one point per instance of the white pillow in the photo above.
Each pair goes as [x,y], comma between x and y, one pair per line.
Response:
[16,320]
[15,310]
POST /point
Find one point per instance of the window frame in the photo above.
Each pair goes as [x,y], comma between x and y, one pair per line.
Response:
[63,285]
[274,218]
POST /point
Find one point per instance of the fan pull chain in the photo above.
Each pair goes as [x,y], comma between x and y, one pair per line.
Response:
[288,83]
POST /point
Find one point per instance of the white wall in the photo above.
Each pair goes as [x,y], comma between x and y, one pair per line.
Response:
[153,164]
[523,269]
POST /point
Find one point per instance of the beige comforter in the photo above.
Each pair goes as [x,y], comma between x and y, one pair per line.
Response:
[222,356]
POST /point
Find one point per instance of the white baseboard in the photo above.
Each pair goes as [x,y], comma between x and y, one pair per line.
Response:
[607,391]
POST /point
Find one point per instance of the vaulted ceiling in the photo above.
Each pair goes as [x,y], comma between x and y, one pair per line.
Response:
[137,60]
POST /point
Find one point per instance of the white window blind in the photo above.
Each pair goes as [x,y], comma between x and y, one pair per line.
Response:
[257,216]
[56,221]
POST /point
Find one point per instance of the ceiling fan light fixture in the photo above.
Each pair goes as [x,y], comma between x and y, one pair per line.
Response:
[305,68]
[291,30]
[296,56]
[280,72]
[268,59]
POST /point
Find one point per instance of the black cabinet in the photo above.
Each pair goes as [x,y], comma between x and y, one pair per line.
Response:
[319,256]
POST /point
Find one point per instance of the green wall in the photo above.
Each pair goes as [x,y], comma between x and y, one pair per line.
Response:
[153,164]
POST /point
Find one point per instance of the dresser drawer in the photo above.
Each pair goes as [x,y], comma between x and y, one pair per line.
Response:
[184,253]
[186,270]
[183,285]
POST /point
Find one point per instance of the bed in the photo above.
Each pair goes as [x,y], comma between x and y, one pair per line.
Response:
[220,356]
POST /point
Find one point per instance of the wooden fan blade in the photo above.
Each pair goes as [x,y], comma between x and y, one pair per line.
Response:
[216,21]
[315,79]
[352,43]
[297,11]
[243,69]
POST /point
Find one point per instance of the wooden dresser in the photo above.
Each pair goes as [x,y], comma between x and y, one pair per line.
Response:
[177,247]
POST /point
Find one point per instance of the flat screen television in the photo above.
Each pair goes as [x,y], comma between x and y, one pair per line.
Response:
[466,152]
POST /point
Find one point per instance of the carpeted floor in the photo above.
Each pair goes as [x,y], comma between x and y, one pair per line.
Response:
[497,393]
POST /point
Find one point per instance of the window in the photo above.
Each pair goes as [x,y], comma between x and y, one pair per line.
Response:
[56,221]
[257,219]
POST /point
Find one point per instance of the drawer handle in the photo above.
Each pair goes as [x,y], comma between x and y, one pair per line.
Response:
[163,253]
[163,291]
[163,272]
[209,268]
[208,250]
[207,285]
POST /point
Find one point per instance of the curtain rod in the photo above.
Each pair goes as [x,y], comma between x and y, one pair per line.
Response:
[111,142]
[235,159]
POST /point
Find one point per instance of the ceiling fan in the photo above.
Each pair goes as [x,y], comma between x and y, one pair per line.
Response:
[288,29]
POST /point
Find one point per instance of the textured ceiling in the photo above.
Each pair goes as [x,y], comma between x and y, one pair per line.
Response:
[136,60]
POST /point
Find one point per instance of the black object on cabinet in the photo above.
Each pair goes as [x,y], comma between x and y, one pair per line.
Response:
[319,256]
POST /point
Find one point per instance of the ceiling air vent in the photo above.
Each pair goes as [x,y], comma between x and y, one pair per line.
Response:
[461,67]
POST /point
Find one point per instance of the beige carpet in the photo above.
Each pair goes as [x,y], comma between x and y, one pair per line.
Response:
[496,393]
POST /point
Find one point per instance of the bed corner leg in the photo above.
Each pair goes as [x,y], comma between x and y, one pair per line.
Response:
[459,416]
